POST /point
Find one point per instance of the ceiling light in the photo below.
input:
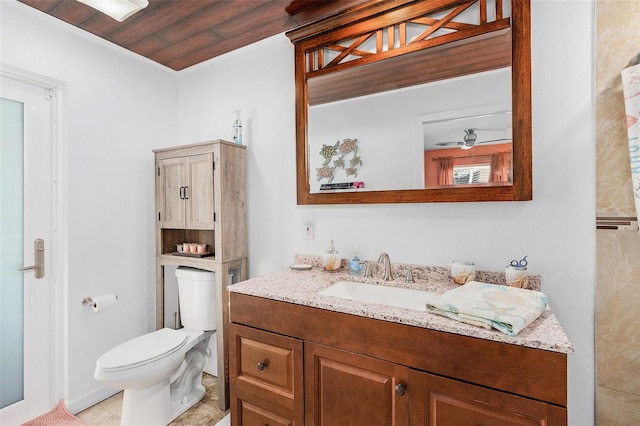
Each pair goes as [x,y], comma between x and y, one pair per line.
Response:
[117,9]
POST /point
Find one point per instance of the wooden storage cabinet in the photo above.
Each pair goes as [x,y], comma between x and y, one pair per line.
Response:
[186,192]
[201,198]
[266,377]
[362,371]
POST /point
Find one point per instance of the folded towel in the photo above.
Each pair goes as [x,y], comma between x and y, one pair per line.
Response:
[508,309]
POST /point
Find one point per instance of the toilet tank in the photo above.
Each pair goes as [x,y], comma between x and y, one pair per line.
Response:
[197,296]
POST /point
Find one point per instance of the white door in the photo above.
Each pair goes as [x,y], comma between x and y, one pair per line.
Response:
[26,214]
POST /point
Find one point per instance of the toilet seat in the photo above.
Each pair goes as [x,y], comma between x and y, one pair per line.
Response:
[142,350]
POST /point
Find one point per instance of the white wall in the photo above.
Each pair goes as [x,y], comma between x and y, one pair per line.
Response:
[117,108]
[110,190]
[556,230]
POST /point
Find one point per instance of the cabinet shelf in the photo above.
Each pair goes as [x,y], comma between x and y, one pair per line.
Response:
[206,263]
[193,255]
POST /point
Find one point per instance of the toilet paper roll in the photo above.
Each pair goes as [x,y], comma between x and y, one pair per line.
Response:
[104,302]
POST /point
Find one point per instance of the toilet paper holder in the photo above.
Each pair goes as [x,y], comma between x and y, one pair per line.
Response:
[89,303]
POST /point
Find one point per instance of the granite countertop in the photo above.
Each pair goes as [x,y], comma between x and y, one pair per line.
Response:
[301,288]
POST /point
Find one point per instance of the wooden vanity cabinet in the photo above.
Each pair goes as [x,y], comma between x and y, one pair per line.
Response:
[201,198]
[266,372]
[437,401]
[362,371]
[343,387]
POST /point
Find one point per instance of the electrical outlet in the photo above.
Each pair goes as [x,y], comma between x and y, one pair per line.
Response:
[307,225]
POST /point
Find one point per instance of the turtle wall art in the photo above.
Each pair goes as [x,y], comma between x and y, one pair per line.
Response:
[340,150]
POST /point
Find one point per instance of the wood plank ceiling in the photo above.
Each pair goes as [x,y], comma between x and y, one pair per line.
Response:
[182,33]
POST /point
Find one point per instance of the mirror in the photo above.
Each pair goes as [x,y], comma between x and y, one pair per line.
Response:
[419,101]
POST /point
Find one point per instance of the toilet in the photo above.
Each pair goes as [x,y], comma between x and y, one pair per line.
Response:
[161,372]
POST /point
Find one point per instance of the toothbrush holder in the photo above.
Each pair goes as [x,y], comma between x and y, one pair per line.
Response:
[517,276]
[463,272]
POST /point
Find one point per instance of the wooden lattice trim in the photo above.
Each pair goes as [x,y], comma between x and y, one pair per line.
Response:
[350,54]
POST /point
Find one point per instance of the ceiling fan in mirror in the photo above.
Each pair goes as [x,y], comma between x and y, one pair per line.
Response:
[470,139]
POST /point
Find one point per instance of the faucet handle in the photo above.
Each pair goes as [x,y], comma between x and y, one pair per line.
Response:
[409,276]
[367,270]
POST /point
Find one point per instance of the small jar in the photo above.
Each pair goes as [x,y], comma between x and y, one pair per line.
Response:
[462,271]
[517,276]
[331,261]
[201,248]
[186,247]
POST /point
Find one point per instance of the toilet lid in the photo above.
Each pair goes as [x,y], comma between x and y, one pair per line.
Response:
[142,350]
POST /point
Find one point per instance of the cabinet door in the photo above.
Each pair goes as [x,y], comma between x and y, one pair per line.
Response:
[171,205]
[265,377]
[440,401]
[199,192]
[344,388]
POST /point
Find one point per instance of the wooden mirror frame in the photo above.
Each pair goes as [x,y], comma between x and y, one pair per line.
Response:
[378,14]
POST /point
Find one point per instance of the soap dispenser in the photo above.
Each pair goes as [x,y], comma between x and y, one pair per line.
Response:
[331,261]
[355,265]
[237,127]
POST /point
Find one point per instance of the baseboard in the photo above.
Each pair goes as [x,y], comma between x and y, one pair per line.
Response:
[90,399]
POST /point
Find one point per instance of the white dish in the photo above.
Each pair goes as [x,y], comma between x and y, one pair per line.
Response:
[301,266]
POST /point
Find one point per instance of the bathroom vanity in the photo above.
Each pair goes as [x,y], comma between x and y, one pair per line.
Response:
[297,357]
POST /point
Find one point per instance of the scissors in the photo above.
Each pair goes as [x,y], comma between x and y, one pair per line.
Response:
[522,263]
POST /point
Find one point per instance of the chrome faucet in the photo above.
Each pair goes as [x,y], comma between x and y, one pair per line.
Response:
[388,275]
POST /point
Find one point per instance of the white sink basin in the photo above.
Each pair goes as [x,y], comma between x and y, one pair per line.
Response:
[381,294]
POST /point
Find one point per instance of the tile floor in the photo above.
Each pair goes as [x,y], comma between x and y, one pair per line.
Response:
[205,412]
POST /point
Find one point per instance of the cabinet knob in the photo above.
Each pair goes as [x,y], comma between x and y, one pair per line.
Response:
[400,388]
[262,365]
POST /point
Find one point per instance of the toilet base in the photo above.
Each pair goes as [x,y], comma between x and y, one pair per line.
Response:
[179,407]
[147,406]
[162,403]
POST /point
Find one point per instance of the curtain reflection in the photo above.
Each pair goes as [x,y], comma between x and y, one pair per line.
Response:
[445,171]
[499,172]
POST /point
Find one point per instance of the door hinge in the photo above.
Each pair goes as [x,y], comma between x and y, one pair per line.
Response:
[158,170]
[158,216]
[214,217]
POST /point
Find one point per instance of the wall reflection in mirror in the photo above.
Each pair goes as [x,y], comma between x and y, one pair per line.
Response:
[449,133]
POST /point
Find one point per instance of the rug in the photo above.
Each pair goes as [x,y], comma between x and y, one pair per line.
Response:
[58,416]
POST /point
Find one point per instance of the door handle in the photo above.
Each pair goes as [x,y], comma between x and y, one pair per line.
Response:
[184,195]
[38,256]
